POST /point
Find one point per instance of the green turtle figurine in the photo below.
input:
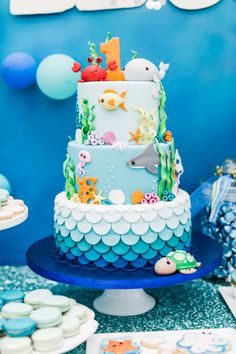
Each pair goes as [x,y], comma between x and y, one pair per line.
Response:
[180,261]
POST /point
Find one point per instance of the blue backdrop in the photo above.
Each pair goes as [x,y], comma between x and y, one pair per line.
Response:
[200,85]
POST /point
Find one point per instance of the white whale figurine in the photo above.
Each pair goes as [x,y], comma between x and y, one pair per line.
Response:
[144,70]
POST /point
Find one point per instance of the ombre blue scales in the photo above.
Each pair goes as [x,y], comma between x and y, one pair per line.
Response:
[125,236]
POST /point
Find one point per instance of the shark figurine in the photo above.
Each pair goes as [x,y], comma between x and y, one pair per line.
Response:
[149,159]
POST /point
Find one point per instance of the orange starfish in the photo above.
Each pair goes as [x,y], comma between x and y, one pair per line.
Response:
[119,347]
[135,136]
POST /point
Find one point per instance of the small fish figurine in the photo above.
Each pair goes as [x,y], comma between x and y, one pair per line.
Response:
[111,100]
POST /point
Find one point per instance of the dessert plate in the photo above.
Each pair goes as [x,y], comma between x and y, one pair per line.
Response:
[227,294]
[86,330]
[170,338]
[16,220]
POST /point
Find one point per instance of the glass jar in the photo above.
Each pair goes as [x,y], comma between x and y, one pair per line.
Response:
[222,225]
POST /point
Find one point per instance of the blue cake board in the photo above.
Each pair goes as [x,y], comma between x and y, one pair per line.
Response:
[40,258]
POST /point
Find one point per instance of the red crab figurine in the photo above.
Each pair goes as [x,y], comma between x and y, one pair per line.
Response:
[94,72]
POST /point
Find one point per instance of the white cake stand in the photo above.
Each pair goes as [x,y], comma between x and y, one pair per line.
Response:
[16,220]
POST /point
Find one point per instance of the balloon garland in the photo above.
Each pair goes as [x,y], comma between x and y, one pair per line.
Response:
[53,75]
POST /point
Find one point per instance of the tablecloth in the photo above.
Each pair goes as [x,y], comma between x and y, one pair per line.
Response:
[193,305]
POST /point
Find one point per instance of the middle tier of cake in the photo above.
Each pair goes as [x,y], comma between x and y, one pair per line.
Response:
[110,168]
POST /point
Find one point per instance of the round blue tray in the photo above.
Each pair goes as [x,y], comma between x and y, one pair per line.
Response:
[41,259]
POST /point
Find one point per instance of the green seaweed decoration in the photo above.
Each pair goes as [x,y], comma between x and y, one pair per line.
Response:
[93,52]
[162,114]
[135,54]
[78,117]
[88,116]
[69,173]
[108,38]
[166,168]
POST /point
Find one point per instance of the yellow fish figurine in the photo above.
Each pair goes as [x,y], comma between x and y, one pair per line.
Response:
[111,100]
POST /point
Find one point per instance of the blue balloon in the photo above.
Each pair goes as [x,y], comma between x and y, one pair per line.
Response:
[4,183]
[18,70]
[55,77]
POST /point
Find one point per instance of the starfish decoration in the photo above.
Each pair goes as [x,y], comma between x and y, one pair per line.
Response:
[135,136]
[98,198]
[119,347]
[119,146]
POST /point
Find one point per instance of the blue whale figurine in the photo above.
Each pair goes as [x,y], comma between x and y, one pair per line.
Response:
[139,69]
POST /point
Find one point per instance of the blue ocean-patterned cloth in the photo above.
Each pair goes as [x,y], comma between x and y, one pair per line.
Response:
[192,305]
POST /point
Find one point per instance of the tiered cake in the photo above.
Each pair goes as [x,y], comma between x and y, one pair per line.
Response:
[122,207]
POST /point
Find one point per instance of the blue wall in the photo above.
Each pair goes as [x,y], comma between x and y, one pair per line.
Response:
[201,47]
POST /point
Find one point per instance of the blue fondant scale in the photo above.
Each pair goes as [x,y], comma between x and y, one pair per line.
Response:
[43,259]
[156,231]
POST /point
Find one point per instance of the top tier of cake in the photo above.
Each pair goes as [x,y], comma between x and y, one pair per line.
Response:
[129,109]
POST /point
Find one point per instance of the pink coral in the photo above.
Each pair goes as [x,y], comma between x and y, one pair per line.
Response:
[150,198]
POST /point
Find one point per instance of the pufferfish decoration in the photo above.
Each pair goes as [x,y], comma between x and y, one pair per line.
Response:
[111,100]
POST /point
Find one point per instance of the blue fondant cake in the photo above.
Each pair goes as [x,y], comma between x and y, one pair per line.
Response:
[122,207]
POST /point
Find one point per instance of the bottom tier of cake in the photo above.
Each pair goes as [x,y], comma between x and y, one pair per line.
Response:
[121,236]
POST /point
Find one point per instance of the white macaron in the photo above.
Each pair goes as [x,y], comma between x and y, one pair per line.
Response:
[34,297]
[48,339]
[20,345]
[78,311]
[70,326]
[15,310]
[59,301]
[46,317]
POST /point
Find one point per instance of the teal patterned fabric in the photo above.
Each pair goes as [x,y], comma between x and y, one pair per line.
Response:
[193,305]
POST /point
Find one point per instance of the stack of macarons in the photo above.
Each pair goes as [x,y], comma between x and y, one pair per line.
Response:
[10,207]
[37,321]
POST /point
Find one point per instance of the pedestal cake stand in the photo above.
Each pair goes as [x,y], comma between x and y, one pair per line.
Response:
[124,294]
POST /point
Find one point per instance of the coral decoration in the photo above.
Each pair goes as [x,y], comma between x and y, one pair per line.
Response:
[88,117]
[87,188]
[150,198]
[147,125]
[68,171]
[168,196]
[137,196]
[119,347]
[135,136]
[168,136]
[94,139]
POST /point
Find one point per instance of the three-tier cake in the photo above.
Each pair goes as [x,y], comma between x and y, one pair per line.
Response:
[122,206]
